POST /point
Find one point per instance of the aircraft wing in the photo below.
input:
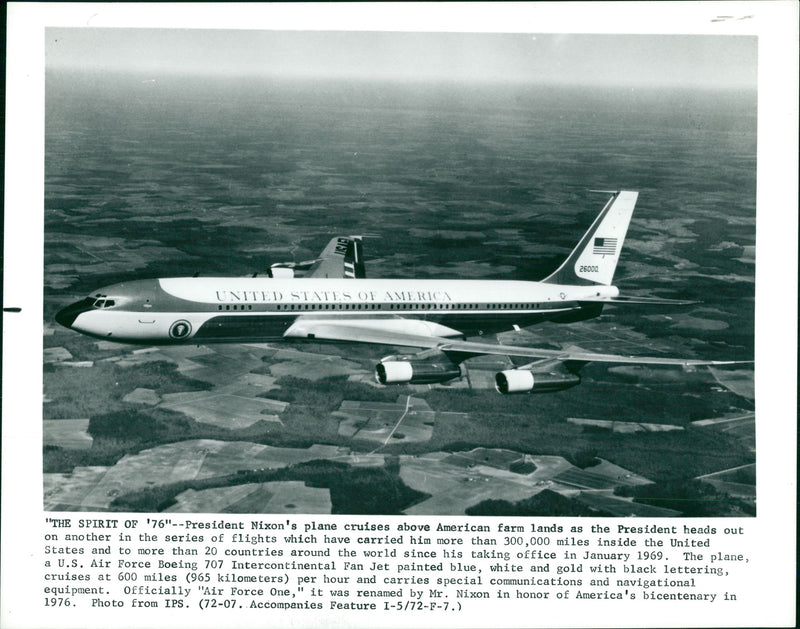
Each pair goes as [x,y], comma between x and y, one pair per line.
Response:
[573,355]
[394,334]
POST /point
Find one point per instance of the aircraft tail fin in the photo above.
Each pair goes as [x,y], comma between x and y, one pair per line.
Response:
[595,258]
[342,257]
[354,259]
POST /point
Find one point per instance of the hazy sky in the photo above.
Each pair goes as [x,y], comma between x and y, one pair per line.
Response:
[713,61]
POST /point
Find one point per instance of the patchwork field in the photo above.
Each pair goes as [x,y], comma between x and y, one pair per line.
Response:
[475,182]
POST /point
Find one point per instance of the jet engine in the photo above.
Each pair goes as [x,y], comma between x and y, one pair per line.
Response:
[528,381]
[415,371]
[280,272]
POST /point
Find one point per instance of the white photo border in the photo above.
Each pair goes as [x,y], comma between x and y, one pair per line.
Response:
[775,25]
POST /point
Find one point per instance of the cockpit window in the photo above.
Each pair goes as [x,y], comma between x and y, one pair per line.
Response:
[100,301]
[86,302]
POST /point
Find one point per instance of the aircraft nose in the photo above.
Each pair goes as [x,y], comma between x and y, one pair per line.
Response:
[66,316]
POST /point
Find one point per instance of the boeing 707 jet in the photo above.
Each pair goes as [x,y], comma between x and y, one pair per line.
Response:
[330,299]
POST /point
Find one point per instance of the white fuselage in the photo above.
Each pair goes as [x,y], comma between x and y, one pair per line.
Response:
[253,309]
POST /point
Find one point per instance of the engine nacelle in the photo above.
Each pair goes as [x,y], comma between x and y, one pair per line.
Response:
[415,372]
[280,272]
[527,381]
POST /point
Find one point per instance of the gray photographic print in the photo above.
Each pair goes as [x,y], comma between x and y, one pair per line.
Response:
[393,273]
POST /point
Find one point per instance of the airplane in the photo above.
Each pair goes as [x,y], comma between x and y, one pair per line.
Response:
[331,299]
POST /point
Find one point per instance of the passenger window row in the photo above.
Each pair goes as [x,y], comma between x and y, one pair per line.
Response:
[378,306]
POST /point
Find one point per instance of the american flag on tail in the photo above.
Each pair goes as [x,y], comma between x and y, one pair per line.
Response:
[605,246]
